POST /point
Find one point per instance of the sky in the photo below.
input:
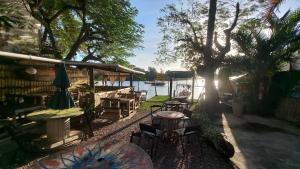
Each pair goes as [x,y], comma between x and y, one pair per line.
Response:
[149,12]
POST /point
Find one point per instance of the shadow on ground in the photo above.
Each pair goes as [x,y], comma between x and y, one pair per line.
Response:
[262,143]
[172,158]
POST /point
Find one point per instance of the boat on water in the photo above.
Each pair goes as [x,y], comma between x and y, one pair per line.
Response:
[143,95]
[157,83]
[183,92]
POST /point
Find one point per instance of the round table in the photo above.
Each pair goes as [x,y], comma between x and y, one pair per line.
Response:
[57,121]
[96,156]
[172,104]
[169,121]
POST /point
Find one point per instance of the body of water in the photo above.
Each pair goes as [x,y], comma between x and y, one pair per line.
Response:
[164,90]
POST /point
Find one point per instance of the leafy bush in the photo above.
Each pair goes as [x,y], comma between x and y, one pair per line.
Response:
[212,133]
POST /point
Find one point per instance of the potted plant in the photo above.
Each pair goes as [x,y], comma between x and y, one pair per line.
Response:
[238,103]
[237,106]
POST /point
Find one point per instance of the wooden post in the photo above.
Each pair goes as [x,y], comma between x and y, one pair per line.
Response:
[119,80]
[193,87]
[155,87]
[131,80]
[171,83]
[92,82]
[92,86]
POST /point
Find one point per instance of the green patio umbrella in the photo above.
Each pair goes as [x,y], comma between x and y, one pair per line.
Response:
[62,98]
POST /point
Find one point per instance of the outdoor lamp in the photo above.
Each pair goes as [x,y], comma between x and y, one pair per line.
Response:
[31,70]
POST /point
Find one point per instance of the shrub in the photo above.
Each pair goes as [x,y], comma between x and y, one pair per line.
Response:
[212,133]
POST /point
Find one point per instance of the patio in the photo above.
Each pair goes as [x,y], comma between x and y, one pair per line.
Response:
[168,155]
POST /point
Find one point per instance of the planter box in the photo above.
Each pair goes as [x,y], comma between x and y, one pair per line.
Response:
[237,108]
[58,129]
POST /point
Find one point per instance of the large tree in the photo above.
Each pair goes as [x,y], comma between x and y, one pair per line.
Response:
[199,34]
[95,30]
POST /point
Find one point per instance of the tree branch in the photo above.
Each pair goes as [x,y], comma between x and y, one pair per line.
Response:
[82,35]
[237,12]
[195,45]
[193,30]
[218,45]
[94,58]
[229,30]
[62,10]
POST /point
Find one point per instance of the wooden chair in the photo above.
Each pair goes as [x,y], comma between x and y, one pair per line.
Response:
[187,119]
[187,132]
[155,120]
[111,108]
[148,133]
[14,134]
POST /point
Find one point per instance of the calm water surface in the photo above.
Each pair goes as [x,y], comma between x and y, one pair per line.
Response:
[164,90]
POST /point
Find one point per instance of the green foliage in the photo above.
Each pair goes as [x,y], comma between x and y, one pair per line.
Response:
[281,86]
[104,31]
[212,133]
[159,99]
[266,49]
[51,113]
[263,48]
[185,32]
[156,100]
[10,16]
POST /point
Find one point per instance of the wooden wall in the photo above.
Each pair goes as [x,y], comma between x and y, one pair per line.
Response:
[14,80]
[289,109]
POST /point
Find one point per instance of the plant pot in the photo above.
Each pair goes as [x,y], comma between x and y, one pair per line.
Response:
[237,108]
[226,149]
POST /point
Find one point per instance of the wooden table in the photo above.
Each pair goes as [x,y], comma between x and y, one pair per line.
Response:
[169,121]
[58,121]
[96,155]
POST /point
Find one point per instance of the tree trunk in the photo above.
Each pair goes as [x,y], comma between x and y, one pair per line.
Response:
[211,94]
[255,96]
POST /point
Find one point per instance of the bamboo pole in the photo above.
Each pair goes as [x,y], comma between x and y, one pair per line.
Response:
[193,87]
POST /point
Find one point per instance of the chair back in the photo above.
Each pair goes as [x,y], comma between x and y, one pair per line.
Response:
[145,128]
[155,108]
[187,112]
[196,128]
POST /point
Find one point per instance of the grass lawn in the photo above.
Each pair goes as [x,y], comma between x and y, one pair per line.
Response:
[156,100]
